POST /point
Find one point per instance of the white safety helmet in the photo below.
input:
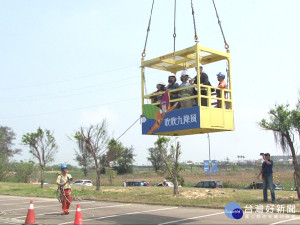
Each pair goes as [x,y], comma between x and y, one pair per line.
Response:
[172,75]
[161,83]
[184,73]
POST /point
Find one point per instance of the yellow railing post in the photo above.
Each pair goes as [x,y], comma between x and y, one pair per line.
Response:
[142,81]
[229,77]
[198,74]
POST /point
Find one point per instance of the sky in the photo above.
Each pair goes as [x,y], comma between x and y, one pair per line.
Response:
[69,64]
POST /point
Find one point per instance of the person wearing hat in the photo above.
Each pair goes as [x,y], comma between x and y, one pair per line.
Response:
[63,182]
[165,183]
[172,85]
[203,80]
[222,84]
[161,87]
[186,92]
[267,176]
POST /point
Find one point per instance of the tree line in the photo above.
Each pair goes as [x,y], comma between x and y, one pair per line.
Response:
[97,150]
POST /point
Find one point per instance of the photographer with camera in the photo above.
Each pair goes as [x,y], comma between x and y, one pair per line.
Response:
[267,176]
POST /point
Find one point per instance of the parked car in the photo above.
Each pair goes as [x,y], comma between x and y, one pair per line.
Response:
[168,184]
[209,184]
[45,182]
[259,185]
[135,183]
[278,186]
[83,183]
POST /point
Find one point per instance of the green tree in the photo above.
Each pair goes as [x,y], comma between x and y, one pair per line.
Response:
[83,157]
[125,161]
[118,157]
[42,146]
[156,158]
[24,171]
[7,150]
[4,168]
[110,173]
[113,153]
[95,138]
[285,125]
[171,159]
[7,136]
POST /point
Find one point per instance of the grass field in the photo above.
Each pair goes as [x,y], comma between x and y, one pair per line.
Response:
[193,197]
[233,180]
[236,178]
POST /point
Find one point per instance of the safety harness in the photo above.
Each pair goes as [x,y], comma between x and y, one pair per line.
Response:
[60,190]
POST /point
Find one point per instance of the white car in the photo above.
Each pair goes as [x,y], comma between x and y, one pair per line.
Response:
[168,184]
[83,183]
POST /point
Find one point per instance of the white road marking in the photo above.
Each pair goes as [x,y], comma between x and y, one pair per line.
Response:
[125,214]
[100,207]
[23,198]
[283,221]
[18,203]
[192,218]
[37,207]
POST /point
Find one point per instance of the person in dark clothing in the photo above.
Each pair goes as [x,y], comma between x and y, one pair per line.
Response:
[203,80]
[267,176]
[161,87]
[172,85]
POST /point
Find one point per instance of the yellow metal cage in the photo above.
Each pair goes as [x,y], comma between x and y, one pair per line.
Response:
[216,116]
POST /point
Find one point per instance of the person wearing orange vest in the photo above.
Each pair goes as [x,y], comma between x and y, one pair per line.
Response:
[63,181]
[222,84]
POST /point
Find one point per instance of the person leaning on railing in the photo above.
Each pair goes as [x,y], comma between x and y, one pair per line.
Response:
[186,92]
[161,87]
[172,85]
[203,80]
[223,85]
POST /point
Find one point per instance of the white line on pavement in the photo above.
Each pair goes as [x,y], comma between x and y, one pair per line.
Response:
[18,203]
[100,207]
[125,214]
[283,221]
[43,206]
[192,218]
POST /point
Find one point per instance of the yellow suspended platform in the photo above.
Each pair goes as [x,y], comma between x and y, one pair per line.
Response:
[209,112]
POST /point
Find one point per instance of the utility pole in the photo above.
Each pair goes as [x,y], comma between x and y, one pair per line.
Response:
[209,156]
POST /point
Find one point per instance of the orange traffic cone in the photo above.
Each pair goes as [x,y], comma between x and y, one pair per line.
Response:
[78,217]
[30,219]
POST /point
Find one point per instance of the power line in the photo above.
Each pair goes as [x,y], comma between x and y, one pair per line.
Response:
[69,110]
[67,80]
[60,94]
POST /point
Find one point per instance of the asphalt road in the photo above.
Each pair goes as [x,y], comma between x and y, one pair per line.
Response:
[13,210]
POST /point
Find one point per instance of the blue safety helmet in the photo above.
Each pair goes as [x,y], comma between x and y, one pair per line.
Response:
[221,75]
[63,167]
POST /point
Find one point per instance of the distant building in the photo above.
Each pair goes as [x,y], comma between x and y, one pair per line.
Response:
[189,162]
[286,159]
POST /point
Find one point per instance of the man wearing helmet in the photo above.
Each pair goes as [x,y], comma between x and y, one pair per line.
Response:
[222,84]
[63,181]
[203,80]
[186,92]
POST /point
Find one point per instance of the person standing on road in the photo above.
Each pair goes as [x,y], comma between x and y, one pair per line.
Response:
[63,182]
[267,176]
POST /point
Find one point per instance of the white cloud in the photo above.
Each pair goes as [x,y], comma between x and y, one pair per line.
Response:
[89,117]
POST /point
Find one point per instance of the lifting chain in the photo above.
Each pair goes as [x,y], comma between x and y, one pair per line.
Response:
[219,22]
[148,30]
[174,34]
[193,13]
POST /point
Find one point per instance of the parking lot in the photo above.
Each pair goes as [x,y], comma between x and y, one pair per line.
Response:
[13,210]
